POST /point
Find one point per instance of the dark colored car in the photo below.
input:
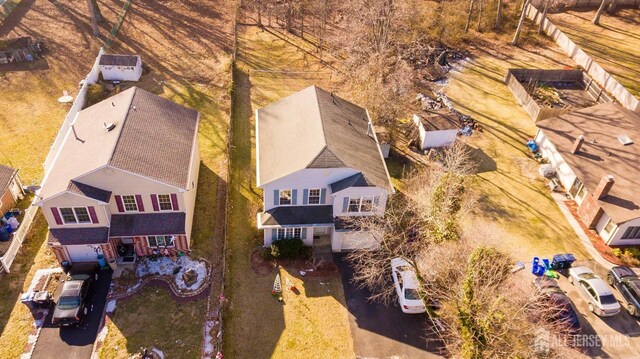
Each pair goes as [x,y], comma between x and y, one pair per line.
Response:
[625,280]
[549,290]
[72,306]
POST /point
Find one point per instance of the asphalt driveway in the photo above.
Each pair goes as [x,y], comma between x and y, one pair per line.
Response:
[75,342]
[379,331]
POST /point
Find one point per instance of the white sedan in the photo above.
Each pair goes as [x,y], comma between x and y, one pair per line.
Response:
[595,291]
[406,284]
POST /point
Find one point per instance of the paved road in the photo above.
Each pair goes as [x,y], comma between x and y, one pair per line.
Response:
[379,331]
[75,343]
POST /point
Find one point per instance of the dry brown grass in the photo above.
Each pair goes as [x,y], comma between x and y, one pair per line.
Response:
[615,45]
[313,324]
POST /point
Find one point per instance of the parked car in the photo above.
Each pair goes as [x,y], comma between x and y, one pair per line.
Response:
[565,315]
[625,280]
[406,284]
[72,306]
[595,291]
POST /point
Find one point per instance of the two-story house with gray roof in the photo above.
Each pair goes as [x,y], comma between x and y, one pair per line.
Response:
[318,161]
[123,182]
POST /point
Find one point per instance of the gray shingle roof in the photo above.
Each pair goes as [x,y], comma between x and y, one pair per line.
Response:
[118,60]
[314,128]
[124,225]
[157,139]
[153,137]
[89,191]
[357,180]
[295,215]
[6,175]
[71,236]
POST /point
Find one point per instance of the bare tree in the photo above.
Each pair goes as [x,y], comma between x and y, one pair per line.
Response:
[603,5]
[544,17]
[479,15]
[471,5]
[520,23]
[93,11]
[499,15]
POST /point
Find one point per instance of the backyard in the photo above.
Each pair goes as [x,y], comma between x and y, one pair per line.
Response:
[190,67]
[614,44]
[314,323]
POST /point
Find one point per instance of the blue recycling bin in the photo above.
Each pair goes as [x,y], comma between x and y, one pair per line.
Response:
[101,261]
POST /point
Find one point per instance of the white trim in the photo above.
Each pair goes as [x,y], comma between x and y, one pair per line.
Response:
[73,210]
[44,200]
[124,206]
[158,200]
[161,235]
[290,197]
[194,148]
[257,136]
[309,196]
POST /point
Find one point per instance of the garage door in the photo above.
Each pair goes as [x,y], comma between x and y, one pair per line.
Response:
[83,253]
[351,241]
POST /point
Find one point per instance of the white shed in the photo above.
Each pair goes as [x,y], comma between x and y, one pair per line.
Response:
[120,67]
[435,129]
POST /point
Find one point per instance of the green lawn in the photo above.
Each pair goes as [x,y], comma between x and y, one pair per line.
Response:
[615,45]
[315,323]
[515,210]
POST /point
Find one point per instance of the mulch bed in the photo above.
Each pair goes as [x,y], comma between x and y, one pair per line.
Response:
[263,266]
[595,238]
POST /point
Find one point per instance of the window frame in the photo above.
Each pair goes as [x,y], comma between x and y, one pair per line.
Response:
[165,239]
[318,196]
[613,227]
[361,200]
[75,215]
[280,192]
[160,203]
[124,203]
[632,229]
[288,233]
[357,205]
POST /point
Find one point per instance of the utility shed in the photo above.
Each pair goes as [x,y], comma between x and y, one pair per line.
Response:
[120,67]
[435,129]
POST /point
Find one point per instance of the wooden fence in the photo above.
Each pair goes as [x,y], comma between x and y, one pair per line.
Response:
[591,67]
[556,6]
[515,79]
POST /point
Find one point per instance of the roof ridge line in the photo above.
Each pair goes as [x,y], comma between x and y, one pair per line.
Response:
[324,133]
[113,149]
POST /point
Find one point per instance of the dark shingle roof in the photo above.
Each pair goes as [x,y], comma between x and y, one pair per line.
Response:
[124,225]
[71,236]
[157,139]
[6,175]
[294,215]
[89,191]
[314,128]
[357,180]
[118,60]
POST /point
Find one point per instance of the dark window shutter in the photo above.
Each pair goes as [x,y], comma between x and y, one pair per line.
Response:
[174,202]
[276,197]
[56,215]
[345,204]
[303,233]
[119,204]
[323,195]
[294,197]
[305,196]
[154,202]
[274,234]
[139,203]
[92,214]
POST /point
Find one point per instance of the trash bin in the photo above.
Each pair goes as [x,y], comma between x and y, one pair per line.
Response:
[113,264]
[101,262]
[559,262]
[570,259]
[27,299]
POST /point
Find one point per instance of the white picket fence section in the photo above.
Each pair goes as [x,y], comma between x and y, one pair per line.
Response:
[19,236]
[600,75]
[91,78]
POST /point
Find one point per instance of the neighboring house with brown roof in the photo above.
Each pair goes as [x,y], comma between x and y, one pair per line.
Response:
[11,188]
[318,160]
[597,161]
[124,178]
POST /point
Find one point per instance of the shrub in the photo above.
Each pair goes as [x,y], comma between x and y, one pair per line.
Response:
[95,93]
[616,252]
[287,248]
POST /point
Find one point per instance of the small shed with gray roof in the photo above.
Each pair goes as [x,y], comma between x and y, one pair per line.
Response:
[120,67]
